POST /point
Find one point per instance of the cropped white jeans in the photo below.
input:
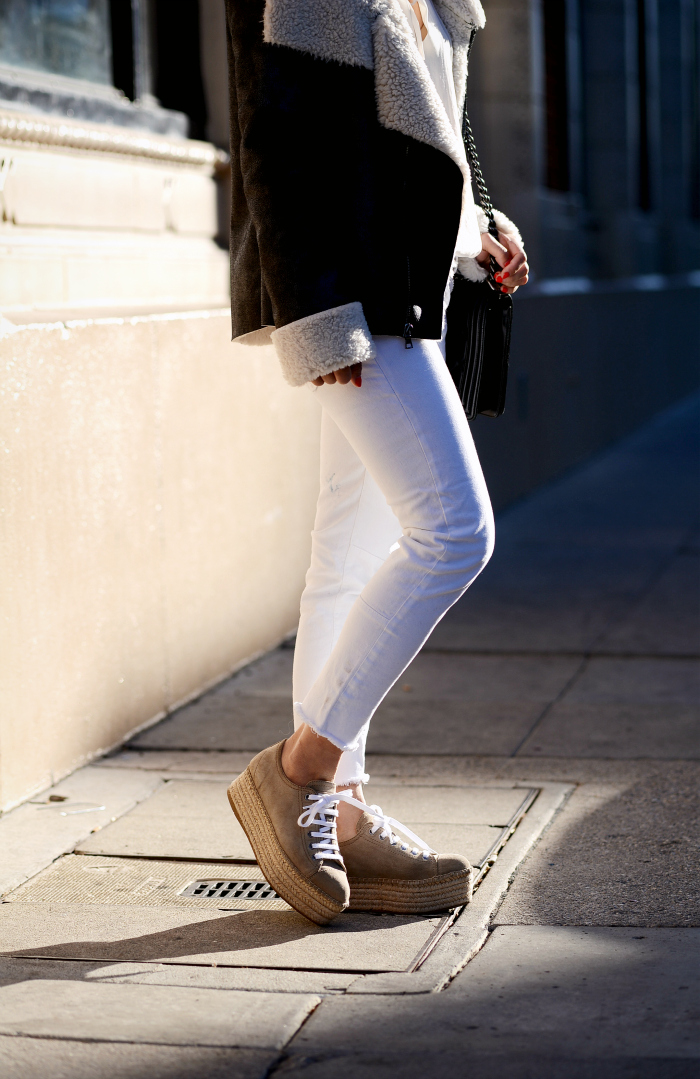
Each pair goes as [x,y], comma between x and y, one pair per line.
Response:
[403,527]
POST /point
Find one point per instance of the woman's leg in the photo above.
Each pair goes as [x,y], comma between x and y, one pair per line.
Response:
[407,427]
[353,533]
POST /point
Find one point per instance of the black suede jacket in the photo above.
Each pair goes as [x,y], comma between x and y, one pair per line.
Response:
[329,207]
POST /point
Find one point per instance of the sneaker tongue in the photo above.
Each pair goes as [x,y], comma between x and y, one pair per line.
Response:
[321,786]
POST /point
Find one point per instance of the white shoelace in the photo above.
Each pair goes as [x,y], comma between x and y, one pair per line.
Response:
[324,806]
[323,812]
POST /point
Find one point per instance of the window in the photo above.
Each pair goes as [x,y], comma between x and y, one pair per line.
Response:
[63,37]
[122,34]
[556,95]
[177,75]
[694,133]
[643,161]
[147,49]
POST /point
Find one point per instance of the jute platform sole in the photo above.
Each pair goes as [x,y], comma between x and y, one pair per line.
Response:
[411,896]
[276,867]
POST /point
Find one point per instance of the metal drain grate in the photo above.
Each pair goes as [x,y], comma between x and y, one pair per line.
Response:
[230,889]
[143,882]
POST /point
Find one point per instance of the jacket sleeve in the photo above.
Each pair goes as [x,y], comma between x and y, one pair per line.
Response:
[301,163]
[469,267]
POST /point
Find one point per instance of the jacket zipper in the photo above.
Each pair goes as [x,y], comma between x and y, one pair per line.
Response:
[408,325]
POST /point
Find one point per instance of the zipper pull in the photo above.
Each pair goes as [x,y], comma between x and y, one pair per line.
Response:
[407,334]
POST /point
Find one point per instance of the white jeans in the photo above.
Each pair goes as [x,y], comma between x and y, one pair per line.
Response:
[403,527]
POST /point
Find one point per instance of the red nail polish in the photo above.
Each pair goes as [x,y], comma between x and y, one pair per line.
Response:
[503,288]
[498,277]
[359,382]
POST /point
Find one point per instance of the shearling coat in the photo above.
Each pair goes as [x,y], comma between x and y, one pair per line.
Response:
[338,137]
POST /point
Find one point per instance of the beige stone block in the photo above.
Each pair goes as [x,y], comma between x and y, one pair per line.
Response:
[156,498]
[240,482]
[29,272]
[86,191]
[50,268]
[191,207]
[81,635]
[164,269]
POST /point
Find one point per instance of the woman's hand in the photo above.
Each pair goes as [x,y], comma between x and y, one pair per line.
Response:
[343,376]
[514,272]
[510,257]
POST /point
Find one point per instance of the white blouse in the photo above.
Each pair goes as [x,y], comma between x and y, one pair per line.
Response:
[436,50]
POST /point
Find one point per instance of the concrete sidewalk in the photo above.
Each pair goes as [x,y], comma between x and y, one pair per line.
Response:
[549,730]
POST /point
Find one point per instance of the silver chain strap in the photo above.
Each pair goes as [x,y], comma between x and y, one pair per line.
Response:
[477,174]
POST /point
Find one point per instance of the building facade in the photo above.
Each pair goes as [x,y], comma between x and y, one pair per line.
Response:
[157,482]
[587,116]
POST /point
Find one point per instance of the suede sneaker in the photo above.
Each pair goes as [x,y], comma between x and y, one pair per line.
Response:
[388,874]
[292,831]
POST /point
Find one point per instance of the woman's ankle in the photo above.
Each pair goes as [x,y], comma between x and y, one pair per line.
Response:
[306,757]
[349,815]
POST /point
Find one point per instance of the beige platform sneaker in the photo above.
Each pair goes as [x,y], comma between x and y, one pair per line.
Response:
[292,831]
[387,874]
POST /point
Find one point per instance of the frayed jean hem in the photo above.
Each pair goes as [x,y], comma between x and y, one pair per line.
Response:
[301,717]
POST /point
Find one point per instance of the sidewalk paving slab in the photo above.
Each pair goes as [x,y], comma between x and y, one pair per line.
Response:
[250,711]
[624,707]
[523,770]
[483,704]
[184,819]
[638,492]
[547,597]
[398,944]
[450,1064]
[166,1015]
[462,820]
[670,731]
[466,934]
[142,882]
[537,991]
[197,977]
[665,621]
[578,557]
[624,853]
[27,1058]
[173,763]
[36,833]
[356,943]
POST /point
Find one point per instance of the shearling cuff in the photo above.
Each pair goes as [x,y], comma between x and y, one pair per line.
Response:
[503,224]
[469,267]
[323,342]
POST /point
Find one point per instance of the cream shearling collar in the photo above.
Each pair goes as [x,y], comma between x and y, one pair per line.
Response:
[375,34]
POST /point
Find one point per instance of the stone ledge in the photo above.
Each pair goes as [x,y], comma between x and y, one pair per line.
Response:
[106,139]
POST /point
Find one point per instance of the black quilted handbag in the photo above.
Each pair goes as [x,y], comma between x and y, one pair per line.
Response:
[479,319]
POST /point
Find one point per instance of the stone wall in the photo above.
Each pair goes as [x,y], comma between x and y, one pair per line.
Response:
[157,494]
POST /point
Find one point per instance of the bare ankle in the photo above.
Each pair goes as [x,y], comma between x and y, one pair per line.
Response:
[306,757]
[349,815]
